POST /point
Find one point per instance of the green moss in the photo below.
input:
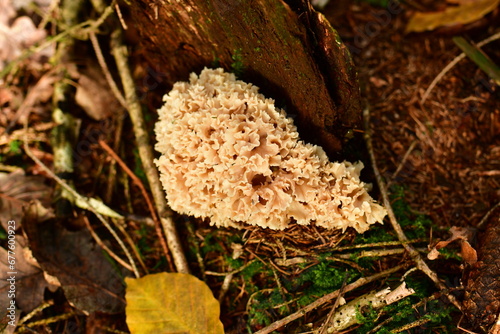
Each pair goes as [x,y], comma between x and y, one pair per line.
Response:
[237,67]
[211,244]
[138,170]
[414,225]
[15,147]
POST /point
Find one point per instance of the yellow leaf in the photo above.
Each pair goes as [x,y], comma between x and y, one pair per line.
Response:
[465,13]
[171,303]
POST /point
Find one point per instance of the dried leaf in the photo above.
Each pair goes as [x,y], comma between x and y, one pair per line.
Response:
[171,303]
[457,233]
[29,279]
[20,35]
[6,12]
[464,13]
[89,280]
[94,95]
[468,253]
[16,191]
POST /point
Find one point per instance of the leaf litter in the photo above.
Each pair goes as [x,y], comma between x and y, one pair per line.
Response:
[443,140]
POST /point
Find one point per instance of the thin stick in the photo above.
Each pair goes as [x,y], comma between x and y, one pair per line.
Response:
[377,244]
[402,163]
[37,310]
[326,324]
[414,254]
[103,246]
[120,17]
[296,315]
[130,242]
[487,215]
[453,63]
[105,70]
[145,194]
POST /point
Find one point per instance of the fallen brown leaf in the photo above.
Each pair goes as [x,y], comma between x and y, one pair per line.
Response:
[90,281]
[464,13]
[16,191]
[28,278]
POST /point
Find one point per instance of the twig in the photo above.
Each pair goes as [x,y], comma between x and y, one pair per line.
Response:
[37,310]
[358,283]
[402,163]
[225,287]
[120,17]
[326,324]
[377,253]
[453,63]
[411,325]
[234,272]
[105,70]
[487,215]
[142,135]
[103,246]
[195,244]
[145,194]
[378,244]
[27,327]
[414,254]
[388,320]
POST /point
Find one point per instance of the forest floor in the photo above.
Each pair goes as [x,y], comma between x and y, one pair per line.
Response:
[440,157]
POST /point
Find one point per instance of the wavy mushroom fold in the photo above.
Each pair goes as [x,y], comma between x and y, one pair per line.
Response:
[227,153]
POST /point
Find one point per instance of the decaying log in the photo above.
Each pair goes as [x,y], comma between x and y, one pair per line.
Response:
[287,49]
[482,279]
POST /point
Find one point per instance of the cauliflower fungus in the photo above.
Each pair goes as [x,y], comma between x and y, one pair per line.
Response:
[227,153]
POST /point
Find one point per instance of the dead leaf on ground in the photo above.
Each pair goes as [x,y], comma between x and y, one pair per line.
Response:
[171,303]
[89,280]
[16,191]
[15,38]
[29,281]
[41,92]
[7,11]
[93,93]
[462,14]
[463,235]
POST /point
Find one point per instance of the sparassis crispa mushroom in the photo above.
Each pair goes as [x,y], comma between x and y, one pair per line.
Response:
[227,153]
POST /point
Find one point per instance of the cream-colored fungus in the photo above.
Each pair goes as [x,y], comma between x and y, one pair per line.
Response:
[227,153]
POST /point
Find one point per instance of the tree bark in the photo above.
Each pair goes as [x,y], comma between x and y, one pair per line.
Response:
[287,49]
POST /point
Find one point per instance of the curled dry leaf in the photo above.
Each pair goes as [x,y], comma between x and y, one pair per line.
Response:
[463,235]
